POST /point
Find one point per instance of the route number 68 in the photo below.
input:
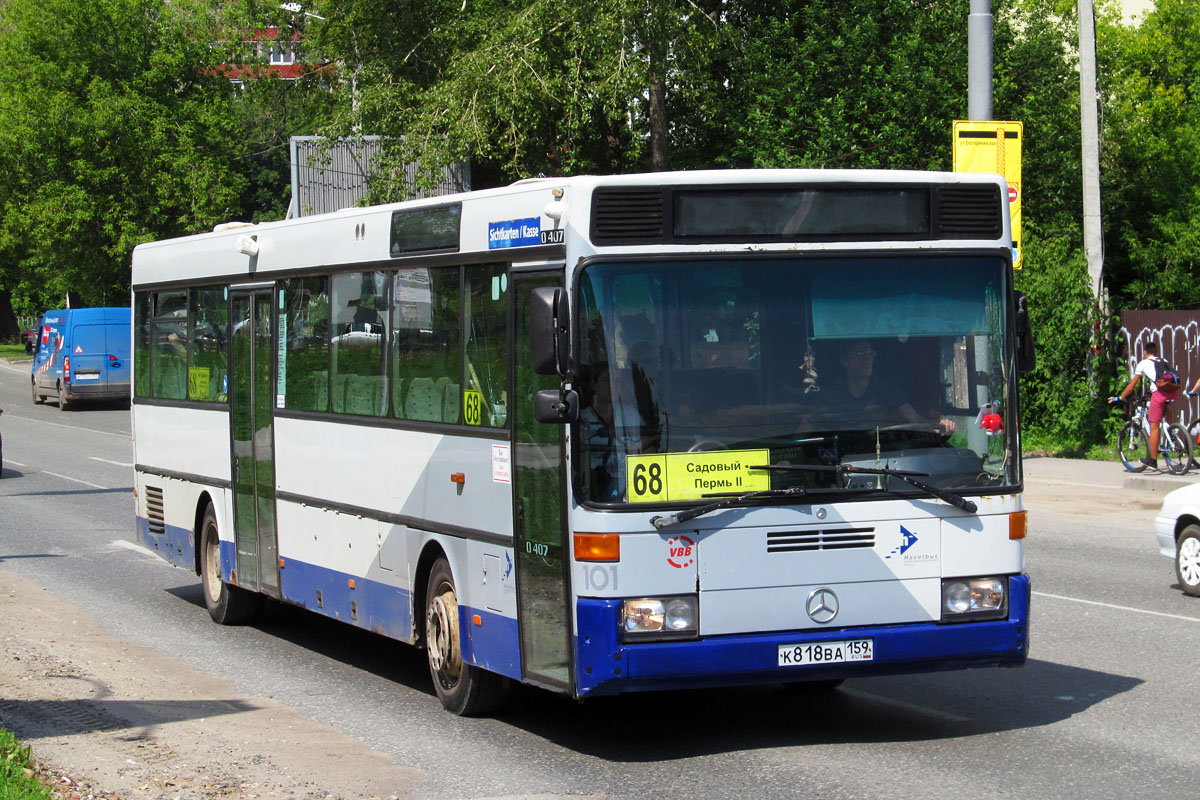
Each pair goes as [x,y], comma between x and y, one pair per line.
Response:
[647,480]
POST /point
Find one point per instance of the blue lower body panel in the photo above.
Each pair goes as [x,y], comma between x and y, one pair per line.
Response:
[174,544]
[492,643]
[606,665]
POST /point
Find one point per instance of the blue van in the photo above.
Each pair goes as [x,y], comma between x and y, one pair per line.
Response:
[82,354]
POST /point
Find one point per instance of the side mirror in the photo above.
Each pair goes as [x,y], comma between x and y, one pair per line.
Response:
[555,406]
[549,329]
[1026,357]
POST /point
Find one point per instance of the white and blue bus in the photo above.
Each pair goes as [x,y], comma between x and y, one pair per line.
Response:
[604,434]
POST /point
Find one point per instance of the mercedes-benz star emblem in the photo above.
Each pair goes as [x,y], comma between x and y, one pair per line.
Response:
[822,605]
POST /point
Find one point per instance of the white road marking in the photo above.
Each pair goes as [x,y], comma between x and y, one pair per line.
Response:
[125,544]
[106,461]
[18,463]
[8,415]
[1118,608]
[76,480]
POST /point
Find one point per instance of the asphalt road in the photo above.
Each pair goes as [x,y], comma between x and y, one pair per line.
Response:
[1106,706]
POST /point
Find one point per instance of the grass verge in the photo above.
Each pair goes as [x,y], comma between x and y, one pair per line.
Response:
[13,351]
[16,772]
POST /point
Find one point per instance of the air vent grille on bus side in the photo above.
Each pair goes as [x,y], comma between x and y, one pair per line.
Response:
[968,211]
[155,518]
[803,540]
[628,216]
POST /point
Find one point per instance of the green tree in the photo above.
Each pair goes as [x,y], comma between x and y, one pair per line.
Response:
[114,130]
[1152,159]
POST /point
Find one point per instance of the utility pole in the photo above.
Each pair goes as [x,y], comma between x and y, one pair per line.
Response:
[979,60]
[1093,232]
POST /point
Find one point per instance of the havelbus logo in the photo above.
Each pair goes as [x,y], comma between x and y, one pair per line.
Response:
[907,540]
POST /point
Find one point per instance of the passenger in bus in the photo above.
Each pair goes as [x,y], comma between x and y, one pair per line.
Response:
[868,402]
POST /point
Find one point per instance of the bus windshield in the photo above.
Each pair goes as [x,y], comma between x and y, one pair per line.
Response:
[900,362]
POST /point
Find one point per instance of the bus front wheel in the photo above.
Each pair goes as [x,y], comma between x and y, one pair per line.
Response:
[464,689]
[227,605]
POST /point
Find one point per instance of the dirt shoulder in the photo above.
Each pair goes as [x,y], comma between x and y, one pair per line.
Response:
[108,718]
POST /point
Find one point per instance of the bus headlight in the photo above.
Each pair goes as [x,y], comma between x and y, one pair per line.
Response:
[660,617]
[974,598]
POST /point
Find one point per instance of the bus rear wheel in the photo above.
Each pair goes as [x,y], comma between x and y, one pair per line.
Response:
[227,605]
[464,689]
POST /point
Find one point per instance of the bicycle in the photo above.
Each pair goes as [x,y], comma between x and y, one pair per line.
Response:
[1174,444]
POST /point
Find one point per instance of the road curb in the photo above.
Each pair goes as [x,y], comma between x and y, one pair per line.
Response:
[1158,484]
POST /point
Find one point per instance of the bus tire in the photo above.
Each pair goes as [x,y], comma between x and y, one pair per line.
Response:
[1187,560]
[464,689]
[62,397]
[37,398]
[227,605]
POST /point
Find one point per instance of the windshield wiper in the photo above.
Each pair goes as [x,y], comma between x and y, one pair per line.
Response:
[908,476]
[661,522]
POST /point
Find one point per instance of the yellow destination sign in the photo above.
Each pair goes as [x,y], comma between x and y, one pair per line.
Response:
[668,477]
[994,146]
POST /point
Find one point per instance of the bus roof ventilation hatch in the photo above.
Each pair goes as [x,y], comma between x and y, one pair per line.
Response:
[966,211]
[628,216]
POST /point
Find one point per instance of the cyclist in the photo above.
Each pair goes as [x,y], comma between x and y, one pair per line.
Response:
[1149,367]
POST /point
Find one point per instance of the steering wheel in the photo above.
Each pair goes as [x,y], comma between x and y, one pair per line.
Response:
[707,444]
[924,427]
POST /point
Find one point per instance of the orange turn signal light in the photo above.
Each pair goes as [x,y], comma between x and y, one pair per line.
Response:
[597,547]
[1016,525]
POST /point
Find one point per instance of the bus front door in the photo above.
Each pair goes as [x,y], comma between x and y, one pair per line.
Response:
[253,440]
[539,527]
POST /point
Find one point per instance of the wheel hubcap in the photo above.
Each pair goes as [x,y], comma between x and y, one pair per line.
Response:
[1189,561]
[441,628]
[212,567]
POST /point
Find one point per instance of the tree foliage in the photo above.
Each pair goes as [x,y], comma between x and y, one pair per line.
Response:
[1152,160]
[112,132]
[117,126]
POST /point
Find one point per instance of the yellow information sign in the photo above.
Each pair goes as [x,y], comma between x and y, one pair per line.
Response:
[994,146]
[473,407]
[198,383]
[668,477]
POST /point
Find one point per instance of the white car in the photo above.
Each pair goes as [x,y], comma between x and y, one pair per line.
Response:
[1177,527]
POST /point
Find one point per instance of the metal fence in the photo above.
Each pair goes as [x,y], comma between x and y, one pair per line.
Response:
[328,176]
[1178,337]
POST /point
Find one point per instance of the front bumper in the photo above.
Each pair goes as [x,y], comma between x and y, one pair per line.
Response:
[1164,531]
[606,665]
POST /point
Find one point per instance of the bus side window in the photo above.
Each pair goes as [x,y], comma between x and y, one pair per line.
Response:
[304,325]
[486,383]
[207,365]
[359,335]
[168,353]
[427,356]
